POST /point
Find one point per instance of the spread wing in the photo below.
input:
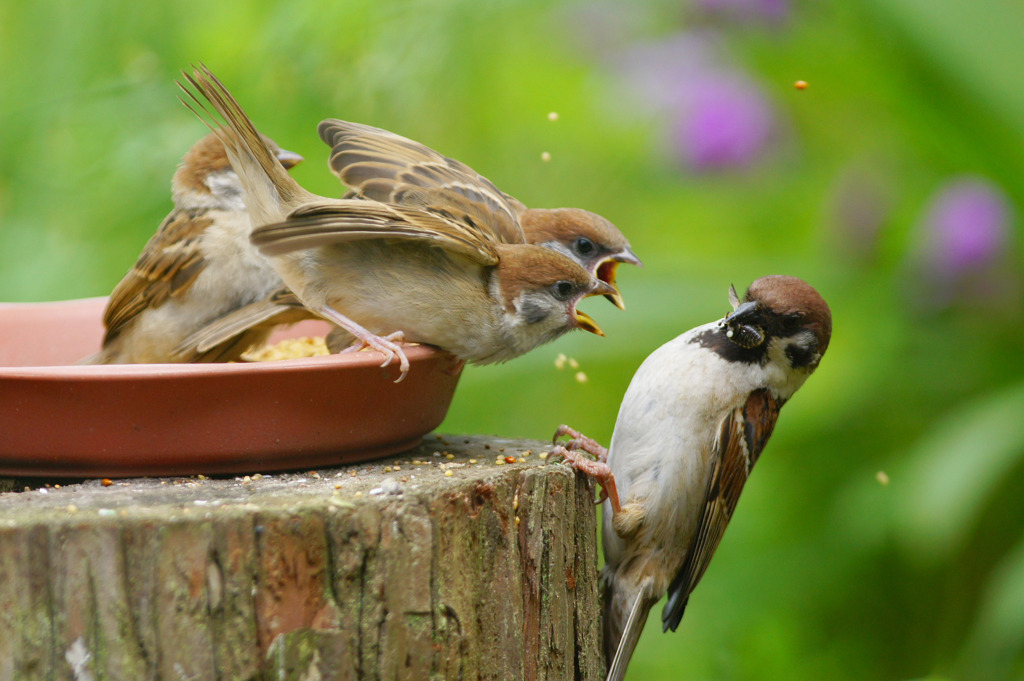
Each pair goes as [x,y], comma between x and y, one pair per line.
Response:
[341,220]
[168,266]
[741,439]
[382,166]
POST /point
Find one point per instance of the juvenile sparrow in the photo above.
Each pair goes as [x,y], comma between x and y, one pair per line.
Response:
[198,267]
[451,269]
[381,165]
[693,422]
[589,239]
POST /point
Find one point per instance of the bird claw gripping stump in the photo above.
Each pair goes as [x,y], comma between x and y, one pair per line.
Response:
[598,469]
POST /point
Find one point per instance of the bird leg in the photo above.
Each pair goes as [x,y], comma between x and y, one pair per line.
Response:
[581,441]
[388,345]
[358,344]
[598,470]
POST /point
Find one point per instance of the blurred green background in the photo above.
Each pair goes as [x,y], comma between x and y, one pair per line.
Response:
[881,536]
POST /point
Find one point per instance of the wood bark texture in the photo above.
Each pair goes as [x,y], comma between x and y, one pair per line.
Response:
[394,570]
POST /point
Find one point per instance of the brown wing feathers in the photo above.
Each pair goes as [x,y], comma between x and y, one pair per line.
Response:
[742,437]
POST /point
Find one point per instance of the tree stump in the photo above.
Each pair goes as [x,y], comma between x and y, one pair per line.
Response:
[435,564]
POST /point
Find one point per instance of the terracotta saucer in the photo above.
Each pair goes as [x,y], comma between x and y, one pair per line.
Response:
[61,420]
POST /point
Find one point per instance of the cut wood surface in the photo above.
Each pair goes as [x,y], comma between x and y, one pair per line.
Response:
[435,564]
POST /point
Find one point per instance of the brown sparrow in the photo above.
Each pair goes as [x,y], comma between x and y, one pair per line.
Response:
[589,239]
[693,422]
[381,165]
[451,269]
[198,267]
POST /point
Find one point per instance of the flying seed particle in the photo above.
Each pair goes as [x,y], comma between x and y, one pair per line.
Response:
[553,116]
[800,85]
[573,364]
[545,156]
[581,377]
[882,477]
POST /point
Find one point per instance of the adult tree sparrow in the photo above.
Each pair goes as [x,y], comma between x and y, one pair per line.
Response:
[198,267]
[693,422]
[452,269]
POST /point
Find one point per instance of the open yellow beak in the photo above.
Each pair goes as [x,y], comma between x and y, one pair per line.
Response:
[607,270]
[606,273]
[587,323]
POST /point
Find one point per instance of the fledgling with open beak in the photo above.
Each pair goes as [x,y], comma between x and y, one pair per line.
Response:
[451,270]
[196,268]
[589,239]
[382,166]
[692,424]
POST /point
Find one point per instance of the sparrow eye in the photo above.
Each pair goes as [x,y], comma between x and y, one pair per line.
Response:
[562,290]
[792,321]
[584,246]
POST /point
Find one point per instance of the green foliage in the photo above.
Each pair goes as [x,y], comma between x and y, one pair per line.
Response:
[826,572]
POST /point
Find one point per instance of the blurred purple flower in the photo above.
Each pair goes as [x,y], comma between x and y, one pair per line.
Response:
[718,117]
[966,227]
[748,11]
[724,122]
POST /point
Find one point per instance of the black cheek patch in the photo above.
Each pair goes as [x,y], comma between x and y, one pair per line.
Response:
[800,356]
[532,312]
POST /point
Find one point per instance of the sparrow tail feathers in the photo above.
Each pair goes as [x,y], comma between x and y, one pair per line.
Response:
[634,626]
[249,154]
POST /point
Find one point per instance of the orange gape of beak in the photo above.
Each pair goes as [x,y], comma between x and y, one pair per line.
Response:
[606,273]
[607,269]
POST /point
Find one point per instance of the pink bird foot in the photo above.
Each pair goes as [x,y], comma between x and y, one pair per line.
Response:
[388,345]
[594,469]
